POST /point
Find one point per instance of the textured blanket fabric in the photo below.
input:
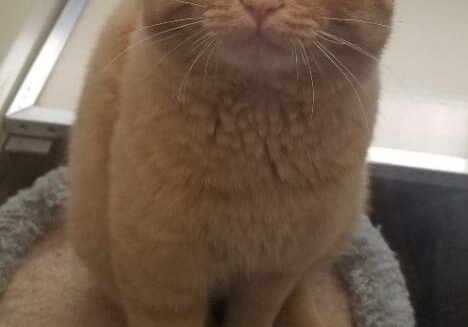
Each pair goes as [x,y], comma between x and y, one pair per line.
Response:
[375,284]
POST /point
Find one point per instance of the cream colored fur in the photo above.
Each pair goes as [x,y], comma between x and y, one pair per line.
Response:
[240,183]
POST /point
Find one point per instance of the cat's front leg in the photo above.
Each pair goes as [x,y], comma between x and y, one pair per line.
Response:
[141,315]
[257,301]
[300,310]
[320,299]
[162,282]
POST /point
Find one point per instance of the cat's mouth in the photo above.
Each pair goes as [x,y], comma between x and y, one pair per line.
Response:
[259,42]
[255,49]
[264,39]
[258,47]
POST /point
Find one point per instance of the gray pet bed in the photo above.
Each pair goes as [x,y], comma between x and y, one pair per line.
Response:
[369,268]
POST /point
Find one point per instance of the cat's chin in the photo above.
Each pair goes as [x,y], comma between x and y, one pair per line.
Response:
[256,53]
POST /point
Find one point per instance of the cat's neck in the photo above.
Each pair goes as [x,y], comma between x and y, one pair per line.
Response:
[247,122]
[183,81]
[302,86]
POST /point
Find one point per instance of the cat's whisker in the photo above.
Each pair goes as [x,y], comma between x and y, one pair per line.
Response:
[165,23]
[152,36]
[350,45]
[200,42]
[179,27]
[316,62]
[306,60]
[355,20]
[123,52]
[187,3]
[350,73]
[296,60]
[205,46]
[357,48]
[169,37]
[203,51]
[180,44]
[344,71]
[293,51]
[235,22]
[212,51]
[329,40]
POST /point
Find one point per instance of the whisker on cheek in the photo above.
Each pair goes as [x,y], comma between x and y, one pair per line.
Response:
[179,27]
[329,40]
[144,28]
[204,48]
[148,38]
[355,20]
[306,60]
[223,24]
[167,38]
[316,62]
[123,52]
[178,46]
[294,58]
[212,51]
[297,65]
[351,78]
[340,41]
[185,2]
[200,41]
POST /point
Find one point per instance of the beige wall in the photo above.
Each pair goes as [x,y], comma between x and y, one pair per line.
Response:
[13,14]
[425,79]
[63,88]
[24,25]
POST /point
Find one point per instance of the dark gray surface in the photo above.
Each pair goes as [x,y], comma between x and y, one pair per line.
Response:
[19,170]
[428,227]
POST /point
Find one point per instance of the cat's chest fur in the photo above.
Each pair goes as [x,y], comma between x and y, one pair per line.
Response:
[269,137]
[243,139]
[248,169]
[235,131]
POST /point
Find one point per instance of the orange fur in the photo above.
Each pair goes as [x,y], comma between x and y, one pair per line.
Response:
[235,179]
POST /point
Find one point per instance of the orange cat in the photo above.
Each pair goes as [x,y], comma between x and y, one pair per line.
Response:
[219,152]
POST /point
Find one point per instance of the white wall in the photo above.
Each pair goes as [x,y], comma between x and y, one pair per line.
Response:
[13,14]
[425,79]
[24,24]
[64,86]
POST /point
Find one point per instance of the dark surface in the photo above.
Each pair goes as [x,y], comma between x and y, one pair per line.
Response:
[20,170]
[428,227]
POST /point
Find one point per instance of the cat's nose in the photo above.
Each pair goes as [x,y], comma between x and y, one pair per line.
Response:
[262,9]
